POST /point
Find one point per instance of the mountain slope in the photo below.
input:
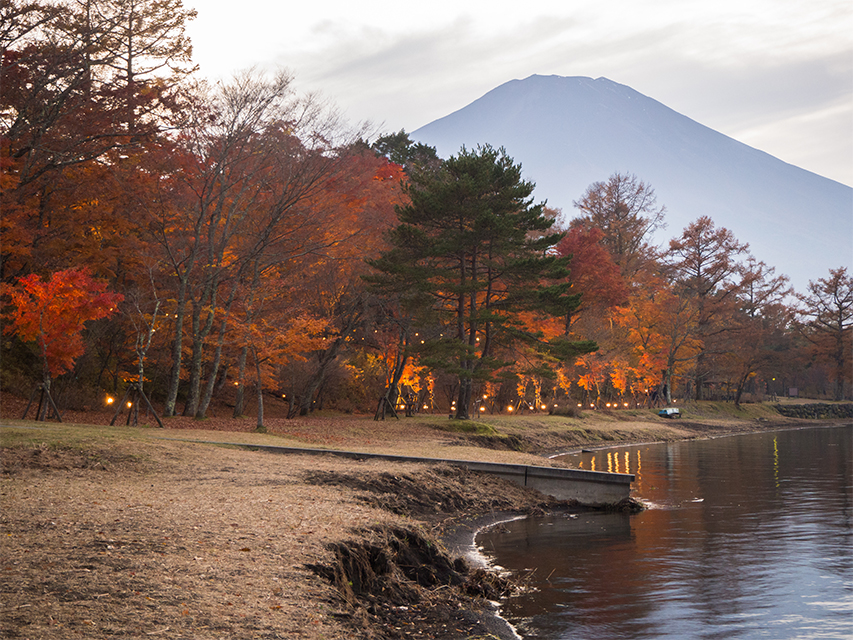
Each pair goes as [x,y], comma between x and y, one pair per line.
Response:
[570,132]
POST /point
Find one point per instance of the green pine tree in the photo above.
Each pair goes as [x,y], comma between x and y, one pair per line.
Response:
[470,255]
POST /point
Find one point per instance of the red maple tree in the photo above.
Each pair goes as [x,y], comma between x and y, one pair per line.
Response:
[52,313]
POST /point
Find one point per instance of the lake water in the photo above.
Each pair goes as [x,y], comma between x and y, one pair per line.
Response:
[746,537]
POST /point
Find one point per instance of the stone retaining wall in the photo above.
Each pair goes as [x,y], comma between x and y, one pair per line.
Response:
[816,411]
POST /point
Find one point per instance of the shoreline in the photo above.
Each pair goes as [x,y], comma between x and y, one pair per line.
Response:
[351,502]
[496,625]
[782,426]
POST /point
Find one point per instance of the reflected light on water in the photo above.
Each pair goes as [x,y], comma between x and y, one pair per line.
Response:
[614,464]
[776,461]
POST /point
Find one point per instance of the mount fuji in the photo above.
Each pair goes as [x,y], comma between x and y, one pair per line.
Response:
[568,132]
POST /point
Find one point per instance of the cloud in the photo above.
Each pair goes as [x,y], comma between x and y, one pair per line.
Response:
[752,69]
[790,110]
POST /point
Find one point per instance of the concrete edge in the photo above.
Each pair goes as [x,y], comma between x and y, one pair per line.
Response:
[554,473]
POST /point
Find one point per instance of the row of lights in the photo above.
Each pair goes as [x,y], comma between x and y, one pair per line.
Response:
[110,400]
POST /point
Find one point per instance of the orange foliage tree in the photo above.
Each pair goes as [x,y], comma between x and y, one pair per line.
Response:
[705,263]
[53,313]
[662,336]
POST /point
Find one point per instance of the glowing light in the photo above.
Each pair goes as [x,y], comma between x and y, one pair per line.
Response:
[509,408]
[426,407]
[110,399]
[544,407]
[579,405]
[482,409]
[626,404]
[129,404]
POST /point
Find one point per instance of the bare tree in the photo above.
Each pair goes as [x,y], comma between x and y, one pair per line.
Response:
[626,210]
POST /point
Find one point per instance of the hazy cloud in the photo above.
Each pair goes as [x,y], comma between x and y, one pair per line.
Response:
[776,74]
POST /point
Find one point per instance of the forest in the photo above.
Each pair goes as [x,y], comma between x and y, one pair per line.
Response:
[193,244]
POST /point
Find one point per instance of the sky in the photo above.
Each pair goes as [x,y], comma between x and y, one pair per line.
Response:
[774,74]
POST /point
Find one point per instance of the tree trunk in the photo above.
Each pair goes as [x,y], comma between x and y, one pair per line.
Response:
[260,424]
[177,351]
[200,332]
[204,403]
[41,412]
[392,391]
[666,391]
[142,347]
[741,383]
[195,363]
[699,375]
[463,399]
[840,361]
[241,378]
[217,356]
[325,359]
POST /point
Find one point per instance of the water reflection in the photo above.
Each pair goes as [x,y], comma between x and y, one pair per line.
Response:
[614,465]
[776,460]
[751,536]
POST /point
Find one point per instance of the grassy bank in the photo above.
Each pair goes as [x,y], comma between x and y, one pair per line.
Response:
[141,532]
